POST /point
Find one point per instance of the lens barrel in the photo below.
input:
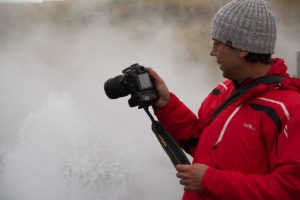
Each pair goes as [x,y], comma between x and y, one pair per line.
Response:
[115,88]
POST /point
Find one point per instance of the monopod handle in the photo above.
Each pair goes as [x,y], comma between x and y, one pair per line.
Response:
[170,146]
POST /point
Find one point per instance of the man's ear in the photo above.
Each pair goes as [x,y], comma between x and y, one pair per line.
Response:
[242,54]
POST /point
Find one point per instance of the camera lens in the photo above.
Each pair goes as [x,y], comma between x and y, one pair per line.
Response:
[114,87]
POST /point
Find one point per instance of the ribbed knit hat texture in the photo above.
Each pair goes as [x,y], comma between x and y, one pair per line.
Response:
[247,25]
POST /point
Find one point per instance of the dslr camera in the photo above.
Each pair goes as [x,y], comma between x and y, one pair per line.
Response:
[135,81]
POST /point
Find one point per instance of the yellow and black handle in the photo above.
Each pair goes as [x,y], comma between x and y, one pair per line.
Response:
[170,146]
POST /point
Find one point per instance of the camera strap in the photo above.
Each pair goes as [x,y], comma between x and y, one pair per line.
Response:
[269,79]
[167,142]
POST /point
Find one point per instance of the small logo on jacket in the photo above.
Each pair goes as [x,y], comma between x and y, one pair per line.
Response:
[249,126]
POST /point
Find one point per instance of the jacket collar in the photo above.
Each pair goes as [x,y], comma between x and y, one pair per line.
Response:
[278,67]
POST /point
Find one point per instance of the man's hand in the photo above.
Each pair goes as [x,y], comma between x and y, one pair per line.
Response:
[164,93]
[191,176]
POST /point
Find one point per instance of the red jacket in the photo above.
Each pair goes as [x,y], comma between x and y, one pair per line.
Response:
[252,146]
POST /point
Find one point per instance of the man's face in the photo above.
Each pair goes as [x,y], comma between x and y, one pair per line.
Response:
[229,60]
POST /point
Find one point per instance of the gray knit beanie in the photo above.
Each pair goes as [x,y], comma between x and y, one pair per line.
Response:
[247,25]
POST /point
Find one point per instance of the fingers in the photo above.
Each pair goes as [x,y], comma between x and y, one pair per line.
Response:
[152,72]
[191,176]
[183,175]
[182,168]
[181,171]
[185,181]
[155,76]
[164,93]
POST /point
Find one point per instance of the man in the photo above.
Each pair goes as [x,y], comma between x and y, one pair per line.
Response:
[251,149]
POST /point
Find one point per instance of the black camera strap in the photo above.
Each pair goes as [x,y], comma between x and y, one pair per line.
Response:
[167,142]
[269,79]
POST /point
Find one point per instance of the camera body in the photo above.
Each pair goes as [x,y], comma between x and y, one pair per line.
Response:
[135,81]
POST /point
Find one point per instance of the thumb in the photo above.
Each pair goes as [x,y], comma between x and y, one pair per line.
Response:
[155,76]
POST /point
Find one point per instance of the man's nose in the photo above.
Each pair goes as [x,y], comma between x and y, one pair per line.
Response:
[213,52]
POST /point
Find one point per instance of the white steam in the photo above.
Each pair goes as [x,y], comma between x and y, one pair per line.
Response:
[62,138]
[54,158]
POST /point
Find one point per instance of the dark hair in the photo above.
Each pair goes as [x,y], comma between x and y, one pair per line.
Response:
[255,57]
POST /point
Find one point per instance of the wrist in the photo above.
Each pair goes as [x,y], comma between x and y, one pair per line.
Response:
[161,103]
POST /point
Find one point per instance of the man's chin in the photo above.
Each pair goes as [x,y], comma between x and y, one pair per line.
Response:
[224,75]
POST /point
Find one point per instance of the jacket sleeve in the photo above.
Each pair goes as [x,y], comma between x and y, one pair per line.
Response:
[180,122]
[283,182]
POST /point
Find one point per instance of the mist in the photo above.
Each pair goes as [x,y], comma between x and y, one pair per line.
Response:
[61,137]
